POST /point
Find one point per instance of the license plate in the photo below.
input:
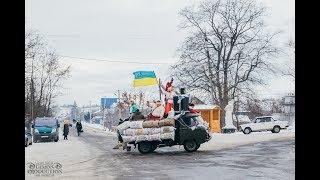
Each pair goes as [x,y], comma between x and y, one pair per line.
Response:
[44,136]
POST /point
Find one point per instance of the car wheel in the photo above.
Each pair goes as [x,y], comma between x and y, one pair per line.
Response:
[276,129]
[56,140]
[144,147]
[247,130]
[35,140]
[26,144]
[190,145]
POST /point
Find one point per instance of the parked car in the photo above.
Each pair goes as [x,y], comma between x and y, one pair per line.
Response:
[27,138]
[264,123]
[46,128]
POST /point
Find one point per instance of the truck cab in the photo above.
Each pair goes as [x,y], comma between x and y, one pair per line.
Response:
[190,132]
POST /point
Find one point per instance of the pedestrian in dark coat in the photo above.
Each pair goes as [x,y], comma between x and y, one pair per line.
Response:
[79,127]
[65,130]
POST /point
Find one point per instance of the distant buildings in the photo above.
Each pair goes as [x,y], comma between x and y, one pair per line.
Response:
[107,102]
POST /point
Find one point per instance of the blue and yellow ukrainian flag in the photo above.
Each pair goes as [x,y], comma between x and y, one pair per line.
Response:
[144,78]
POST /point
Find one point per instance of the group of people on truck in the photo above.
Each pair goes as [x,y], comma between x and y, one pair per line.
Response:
[158,111]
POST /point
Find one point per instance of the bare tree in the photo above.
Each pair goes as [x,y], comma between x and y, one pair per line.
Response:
[228,49]
[254,107]
[290,68]
[43,75]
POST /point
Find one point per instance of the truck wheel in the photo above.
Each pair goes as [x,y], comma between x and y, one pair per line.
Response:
[198,145]
[247,130]
[144,147]
[276,129]
[190,145]
[154,147]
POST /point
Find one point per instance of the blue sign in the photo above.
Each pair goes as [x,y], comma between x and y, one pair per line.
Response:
[107,102]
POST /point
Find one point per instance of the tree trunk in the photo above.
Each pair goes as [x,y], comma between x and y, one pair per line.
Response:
[222,115]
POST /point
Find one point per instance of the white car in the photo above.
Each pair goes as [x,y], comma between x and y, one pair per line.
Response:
[264,123]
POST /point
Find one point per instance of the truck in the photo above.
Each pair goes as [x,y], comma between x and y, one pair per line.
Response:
[189,132]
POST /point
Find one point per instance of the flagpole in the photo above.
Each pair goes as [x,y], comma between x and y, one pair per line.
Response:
[159,88]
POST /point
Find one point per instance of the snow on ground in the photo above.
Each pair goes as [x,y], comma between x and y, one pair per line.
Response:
[69,153]
[292,128]
[223,141]
[97,127]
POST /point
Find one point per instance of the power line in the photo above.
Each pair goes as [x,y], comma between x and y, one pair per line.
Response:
[113,61]
[110,61]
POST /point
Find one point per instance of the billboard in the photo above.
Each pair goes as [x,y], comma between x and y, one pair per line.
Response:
[107,102]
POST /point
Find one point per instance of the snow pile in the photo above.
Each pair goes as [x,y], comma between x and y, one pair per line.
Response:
[292,128]
[222,141]
[243,119]
[97,127]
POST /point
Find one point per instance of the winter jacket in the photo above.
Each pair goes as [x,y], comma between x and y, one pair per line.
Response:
[136,116]
[133,108]
[158,111]
[79,126]
[65,129]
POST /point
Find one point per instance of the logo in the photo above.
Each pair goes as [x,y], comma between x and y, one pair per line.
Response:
[48,168]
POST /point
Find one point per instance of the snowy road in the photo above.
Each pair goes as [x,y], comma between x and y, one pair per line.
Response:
[94,158]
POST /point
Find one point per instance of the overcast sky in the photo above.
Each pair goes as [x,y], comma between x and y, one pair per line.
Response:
[142,31]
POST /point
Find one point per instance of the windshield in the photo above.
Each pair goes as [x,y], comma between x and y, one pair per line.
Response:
[46,122]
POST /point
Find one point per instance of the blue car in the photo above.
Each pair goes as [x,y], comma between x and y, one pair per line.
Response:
[46,128]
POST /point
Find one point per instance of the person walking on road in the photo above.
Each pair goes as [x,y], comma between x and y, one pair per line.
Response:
[79,127]
[65,130]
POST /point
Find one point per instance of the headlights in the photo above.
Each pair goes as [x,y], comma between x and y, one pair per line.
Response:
[36,131]
[53,130]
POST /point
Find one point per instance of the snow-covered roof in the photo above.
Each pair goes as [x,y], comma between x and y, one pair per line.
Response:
[204,106]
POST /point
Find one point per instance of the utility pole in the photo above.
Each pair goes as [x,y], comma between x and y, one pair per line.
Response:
[119,107]
[159,89]
[209,67]
[103,119]
[32,93]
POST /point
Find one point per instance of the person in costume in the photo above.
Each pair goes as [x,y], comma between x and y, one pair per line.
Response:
[169,93]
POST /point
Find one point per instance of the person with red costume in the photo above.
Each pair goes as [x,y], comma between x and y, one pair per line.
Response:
[169,93]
